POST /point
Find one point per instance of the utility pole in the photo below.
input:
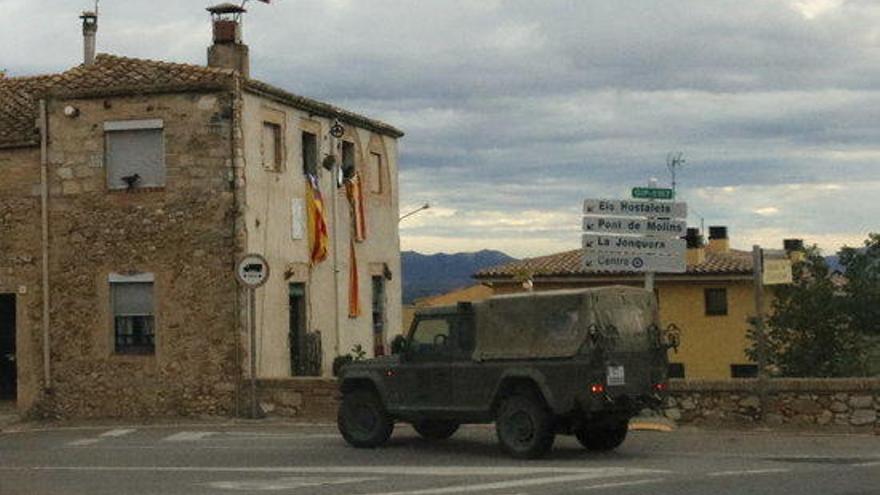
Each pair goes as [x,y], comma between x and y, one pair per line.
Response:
[760,335]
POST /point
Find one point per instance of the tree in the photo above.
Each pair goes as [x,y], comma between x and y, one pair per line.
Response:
[809,332]
[861,292]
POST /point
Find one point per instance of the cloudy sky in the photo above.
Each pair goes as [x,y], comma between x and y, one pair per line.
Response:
[517,110]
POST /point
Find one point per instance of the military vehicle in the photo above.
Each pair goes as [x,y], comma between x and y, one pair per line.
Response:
[578,362]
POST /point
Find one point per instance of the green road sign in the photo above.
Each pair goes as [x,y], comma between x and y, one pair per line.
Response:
[652,193]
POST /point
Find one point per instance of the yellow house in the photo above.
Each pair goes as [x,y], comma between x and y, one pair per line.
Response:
[710,303]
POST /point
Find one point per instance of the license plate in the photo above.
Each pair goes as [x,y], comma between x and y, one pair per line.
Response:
[616,375]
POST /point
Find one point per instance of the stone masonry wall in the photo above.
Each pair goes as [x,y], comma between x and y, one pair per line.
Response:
[182,233]
[301,398]
[841,404]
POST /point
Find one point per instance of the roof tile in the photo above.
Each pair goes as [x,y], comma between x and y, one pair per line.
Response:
[568,263]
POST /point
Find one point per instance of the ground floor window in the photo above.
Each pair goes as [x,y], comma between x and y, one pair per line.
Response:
[378,315]
[743,371]
[133,313]
[676,370]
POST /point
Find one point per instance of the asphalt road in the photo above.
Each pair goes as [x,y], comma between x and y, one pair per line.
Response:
[303,459]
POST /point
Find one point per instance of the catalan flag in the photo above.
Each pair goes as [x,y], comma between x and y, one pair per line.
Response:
[355,194]
[318,237]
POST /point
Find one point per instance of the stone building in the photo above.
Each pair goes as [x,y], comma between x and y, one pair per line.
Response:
[128,191]
[710,303]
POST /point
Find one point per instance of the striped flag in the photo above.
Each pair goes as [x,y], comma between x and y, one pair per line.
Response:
[355,194]
[318,237]
[354,293]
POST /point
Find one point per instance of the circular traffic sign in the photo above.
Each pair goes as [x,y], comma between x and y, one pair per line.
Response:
[252,270]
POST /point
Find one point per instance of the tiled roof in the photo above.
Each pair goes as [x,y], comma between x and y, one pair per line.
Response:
[18,110]
[568,263]
[112,75]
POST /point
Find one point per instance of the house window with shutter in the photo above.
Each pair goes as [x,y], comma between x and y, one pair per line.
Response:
[131,299]
[134,154]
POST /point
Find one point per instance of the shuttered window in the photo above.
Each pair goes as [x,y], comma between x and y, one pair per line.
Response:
[135,154]
[133,314]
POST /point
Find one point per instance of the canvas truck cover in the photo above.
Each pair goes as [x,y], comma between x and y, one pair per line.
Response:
[555,324]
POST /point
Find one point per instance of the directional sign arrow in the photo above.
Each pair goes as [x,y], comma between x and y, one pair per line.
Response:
[634,244]
[634,208]
[612,225]
[637,263]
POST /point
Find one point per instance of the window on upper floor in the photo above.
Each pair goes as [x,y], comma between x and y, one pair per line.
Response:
[134,154]
[716,302]
[348,161]
[272,147]
[133,313]
[377,173]
[310,153]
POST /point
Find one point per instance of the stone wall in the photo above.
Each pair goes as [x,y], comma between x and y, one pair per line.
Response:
[182,233]
[834,404]
[301,398]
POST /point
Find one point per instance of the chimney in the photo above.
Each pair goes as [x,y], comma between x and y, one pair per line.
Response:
[90,31]
[718,242]
[696,254]
[794,248]
[228,51]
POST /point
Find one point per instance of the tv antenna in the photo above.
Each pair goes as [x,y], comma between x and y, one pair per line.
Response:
[674,161]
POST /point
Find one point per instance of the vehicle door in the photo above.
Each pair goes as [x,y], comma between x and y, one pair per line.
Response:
[425,366]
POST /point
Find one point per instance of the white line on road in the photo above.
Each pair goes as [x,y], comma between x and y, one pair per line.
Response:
[83,442]
[116,433]
[188,436]
[501,485]
[598,472]
[284,483]
[623,483]
[748,472]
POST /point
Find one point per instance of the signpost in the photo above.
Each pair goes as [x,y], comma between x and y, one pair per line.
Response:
[635,208]
[652,193]
[636,236]
[252,271]
[635,245]
[637,226]
[629,262]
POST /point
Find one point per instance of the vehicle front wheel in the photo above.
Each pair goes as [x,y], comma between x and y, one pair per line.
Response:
[524,427]
[436,429]
[362,419]
[601,439]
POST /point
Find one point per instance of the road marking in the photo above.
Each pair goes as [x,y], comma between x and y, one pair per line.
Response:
[188,436]
[116,433]
[285,483]
[623,483]
[83,442]
[604,472]
[748,472]
[502,485]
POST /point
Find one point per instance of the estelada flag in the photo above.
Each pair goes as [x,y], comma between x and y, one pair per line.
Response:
[318,237]
[355,194]
[354,294]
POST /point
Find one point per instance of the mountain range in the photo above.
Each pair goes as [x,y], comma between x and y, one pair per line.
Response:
[430,274]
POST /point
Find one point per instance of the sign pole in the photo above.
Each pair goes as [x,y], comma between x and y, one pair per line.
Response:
[649,276]
[252,309]
[761,337]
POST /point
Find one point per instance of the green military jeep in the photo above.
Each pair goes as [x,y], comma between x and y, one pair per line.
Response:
[579,362]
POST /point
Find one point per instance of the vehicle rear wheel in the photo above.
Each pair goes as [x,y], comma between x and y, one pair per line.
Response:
[362,419]
[436,429]
[601,439]
[524,427]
